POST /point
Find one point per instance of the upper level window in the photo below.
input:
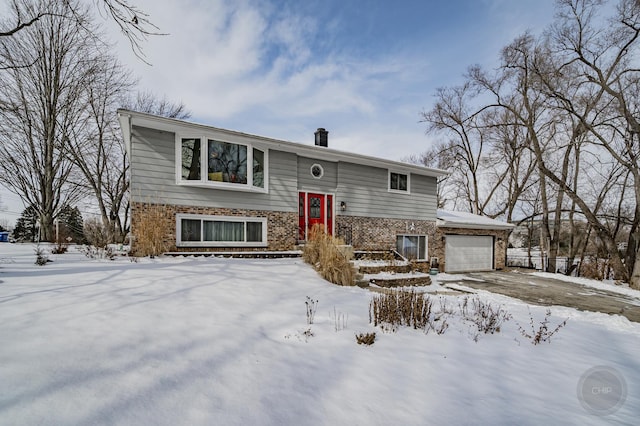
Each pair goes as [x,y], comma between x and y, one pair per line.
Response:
[227,162]
[222,164]
[398,182]
[190,159]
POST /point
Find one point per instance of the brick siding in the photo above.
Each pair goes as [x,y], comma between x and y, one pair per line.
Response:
[366,233]
[374,233]
[282,227]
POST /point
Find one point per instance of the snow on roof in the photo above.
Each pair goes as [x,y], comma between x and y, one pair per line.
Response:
[469,220]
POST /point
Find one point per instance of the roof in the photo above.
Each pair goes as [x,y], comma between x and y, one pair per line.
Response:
[451,219]
[129,118]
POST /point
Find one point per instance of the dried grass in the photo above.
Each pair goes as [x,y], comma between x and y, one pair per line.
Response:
[149,232]
[400,308]
[322,252]
[367,339]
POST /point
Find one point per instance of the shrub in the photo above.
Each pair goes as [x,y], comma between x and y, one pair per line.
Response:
[487,318]
[400,308]
[41,258]
[542,334]
[59,248]
[593,268]
[97,234]
[93,252]
[322,252]
[366,339]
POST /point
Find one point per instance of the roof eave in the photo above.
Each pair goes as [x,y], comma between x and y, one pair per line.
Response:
[312,151]
[440,223]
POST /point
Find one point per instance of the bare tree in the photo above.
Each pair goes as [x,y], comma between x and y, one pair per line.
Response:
[486,147]
[464,148]
[599,59]
[133,22]
[43,107]
[96,148]
[146,101]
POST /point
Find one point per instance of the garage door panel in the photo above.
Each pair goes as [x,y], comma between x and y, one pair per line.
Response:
[465,253]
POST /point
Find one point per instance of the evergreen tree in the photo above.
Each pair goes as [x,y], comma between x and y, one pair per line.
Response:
[71,224]
[27,225]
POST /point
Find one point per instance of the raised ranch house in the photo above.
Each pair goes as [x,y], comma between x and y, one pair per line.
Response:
[223,190]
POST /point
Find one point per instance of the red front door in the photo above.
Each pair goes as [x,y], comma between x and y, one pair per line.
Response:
[314,209]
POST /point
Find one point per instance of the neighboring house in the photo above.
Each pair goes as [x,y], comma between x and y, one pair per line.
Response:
[223,190]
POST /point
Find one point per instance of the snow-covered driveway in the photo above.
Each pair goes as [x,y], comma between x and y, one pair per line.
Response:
[554,289]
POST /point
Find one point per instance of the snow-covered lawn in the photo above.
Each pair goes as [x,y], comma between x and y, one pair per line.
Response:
[211,341]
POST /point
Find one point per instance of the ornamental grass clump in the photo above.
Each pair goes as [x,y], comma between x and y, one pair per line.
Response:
[322,252]
[149,231]
[401,308]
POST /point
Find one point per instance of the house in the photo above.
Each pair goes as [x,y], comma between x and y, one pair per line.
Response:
[224,190]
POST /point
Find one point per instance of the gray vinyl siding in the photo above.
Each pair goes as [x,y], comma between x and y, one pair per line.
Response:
[327,183]
[365,190]
[153,179]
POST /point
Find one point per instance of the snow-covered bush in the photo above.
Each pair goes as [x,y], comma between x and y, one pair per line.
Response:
[93,252]
[41,258]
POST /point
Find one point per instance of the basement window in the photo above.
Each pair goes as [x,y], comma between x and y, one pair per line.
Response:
[220,231]
[413,247]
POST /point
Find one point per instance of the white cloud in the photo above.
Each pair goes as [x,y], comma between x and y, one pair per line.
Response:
[257,67]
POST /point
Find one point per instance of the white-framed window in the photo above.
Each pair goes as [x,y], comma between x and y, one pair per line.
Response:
[398,182]
[194,230]
[206,161]
[412,246]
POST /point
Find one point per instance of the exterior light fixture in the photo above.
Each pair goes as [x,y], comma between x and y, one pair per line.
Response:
[343,206]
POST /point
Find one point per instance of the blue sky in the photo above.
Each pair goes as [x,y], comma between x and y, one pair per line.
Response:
[364,70]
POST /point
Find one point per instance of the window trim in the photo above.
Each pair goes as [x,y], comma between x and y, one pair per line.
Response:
[204,182]
[426,245]
[398,191]
[216,218]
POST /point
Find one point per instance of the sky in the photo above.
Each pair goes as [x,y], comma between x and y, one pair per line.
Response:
[364,70]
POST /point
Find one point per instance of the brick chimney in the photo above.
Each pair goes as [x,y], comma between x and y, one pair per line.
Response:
[322,137]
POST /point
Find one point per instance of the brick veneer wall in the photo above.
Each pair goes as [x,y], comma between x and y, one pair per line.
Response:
[499,243]
[282,227]
[374,233]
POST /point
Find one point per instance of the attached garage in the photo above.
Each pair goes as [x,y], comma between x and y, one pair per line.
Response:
[466,242]
[467,253]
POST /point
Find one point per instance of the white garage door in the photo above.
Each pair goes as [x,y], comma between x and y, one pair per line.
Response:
[465,253]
